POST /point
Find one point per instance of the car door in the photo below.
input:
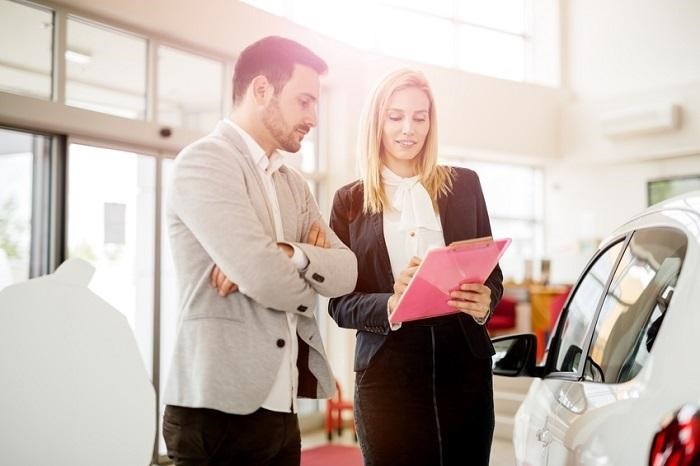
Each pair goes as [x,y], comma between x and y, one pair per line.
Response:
[596,414]
[536,423]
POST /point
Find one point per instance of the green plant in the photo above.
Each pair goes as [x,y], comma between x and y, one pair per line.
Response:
[11,228]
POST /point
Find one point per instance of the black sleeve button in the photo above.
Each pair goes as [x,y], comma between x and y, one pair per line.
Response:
[280,343]
[302,308]
[318,278]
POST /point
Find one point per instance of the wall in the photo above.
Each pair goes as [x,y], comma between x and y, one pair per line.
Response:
[586,201]
[626,46]
[619,56]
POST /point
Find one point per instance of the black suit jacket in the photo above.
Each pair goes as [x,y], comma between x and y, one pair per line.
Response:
[463,215]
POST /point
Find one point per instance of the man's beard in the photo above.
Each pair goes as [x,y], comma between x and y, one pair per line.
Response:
[286,139]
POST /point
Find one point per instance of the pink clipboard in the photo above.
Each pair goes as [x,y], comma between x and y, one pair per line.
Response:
[442,271]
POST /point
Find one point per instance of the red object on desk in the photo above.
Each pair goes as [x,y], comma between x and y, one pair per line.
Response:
[334,413]
[503,317]
[555,307]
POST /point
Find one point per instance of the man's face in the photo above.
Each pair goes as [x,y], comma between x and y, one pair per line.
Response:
[292,113]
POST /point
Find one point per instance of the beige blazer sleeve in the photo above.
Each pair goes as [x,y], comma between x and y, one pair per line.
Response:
[332,271]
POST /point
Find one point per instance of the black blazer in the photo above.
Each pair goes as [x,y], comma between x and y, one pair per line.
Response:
[463,215]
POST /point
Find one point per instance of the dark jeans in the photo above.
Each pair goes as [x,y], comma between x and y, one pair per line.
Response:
[425,400]
[206,437]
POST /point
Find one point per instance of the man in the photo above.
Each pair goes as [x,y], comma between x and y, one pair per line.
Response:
[251,253]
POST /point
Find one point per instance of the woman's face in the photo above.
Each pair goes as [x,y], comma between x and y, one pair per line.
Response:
[406,125]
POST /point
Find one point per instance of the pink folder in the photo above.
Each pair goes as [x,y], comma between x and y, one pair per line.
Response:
[444,270]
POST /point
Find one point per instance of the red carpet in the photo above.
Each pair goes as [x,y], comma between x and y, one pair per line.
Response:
[332,455]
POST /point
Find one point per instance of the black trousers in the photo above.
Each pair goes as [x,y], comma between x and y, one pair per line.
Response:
[425,399]
[206,437]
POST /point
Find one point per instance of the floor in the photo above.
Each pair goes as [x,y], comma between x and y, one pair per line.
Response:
[501,451]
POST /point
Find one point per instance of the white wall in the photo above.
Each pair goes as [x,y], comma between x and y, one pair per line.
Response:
[586,201]
[623,46]
[620,55]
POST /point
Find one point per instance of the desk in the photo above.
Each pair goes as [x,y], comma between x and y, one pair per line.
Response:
[540,302]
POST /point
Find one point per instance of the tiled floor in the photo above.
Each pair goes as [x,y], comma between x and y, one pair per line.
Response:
[501,451]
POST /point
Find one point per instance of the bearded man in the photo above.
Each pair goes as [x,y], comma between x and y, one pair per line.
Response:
[251,253]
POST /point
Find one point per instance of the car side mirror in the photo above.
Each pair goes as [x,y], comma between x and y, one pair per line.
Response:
[515,355]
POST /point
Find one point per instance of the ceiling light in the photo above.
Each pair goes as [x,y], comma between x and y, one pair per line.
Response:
[81,58]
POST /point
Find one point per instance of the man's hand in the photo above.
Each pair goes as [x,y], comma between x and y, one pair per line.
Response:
[317,236]
[219,281]
[401,283]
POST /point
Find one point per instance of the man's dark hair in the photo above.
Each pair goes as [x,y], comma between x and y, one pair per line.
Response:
[273,57]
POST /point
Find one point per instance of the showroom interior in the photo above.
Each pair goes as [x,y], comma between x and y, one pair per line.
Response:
[576,114]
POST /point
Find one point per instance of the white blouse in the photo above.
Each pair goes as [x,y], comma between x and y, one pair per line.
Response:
[411,226]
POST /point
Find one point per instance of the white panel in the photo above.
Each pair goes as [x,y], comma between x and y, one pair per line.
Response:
[74,389]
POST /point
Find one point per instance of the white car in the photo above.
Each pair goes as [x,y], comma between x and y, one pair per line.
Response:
[625,352]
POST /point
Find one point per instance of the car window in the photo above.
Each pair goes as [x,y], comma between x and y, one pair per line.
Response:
[581,309]
[635,305]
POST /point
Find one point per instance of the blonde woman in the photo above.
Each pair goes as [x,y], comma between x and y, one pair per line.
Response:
[423,391]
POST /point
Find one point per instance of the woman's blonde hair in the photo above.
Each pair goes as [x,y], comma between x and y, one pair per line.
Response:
[437,180]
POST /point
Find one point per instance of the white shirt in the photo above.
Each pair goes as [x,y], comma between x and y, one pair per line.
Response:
[411,226]
[283,396]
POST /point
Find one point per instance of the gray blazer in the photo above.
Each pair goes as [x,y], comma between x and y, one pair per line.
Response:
[228,350]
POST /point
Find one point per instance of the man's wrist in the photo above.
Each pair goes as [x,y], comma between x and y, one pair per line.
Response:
[296,254]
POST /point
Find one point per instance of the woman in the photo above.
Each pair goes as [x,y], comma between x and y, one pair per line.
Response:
[423,392]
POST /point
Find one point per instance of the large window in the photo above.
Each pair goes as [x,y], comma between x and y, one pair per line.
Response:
[491,37]
[190,89]
[111,224]
[26,37]
[105,70]
[78,194]
[16,167]
[23,171]
[514,197]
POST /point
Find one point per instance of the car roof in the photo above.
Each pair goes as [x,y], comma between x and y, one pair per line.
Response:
[688,203]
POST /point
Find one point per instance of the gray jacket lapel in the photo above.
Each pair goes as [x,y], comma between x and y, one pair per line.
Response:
[228,133]
[287,203]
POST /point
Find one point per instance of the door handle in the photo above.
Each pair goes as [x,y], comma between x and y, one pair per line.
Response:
[544,437]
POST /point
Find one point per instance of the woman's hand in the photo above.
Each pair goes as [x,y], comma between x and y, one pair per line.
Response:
[473,299]
[402,281]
